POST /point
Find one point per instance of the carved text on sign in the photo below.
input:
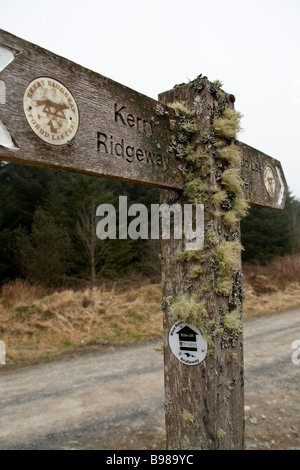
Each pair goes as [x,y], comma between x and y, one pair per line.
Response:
[264,182]
[121,133]
[128,119]
[109,145]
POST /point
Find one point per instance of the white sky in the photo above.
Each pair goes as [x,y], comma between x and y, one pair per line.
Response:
[252,46]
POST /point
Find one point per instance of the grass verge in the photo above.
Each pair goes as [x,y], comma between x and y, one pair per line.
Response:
[36,325]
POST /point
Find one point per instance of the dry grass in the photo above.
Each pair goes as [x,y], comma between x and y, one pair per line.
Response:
[34,327]
[273,302]
[19,291]
[276,275]
[272,288]
[38,325]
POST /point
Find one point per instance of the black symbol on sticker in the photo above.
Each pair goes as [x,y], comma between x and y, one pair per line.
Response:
[189,355]
[187,339]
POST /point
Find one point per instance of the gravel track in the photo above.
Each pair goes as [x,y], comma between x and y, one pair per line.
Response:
[114,398]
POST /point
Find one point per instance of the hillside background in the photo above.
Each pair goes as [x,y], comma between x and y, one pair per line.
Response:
[61,288]
[48,223]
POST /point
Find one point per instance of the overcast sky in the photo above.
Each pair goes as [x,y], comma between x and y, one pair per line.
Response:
[252,46]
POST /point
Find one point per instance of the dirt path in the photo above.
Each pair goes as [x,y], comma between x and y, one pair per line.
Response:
[114,399]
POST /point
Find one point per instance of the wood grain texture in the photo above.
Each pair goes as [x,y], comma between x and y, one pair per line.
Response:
[211,394]
[125,135]
[122,134]
[254,165]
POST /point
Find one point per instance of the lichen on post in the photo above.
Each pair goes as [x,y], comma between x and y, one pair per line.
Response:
[205,286]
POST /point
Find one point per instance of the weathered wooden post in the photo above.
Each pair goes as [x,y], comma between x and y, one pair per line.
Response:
[203,287]
[204,402]
[56,114]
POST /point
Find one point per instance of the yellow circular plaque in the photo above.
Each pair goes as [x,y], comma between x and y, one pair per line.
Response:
[51,111]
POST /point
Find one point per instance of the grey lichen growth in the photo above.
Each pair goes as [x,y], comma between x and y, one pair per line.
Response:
[199,83]
[166,302]
[228,256]
[211,236]
[232,181]
[220,433]
[160,111]
[239,209]
[219,196]
[231,219]
[197,158]
[187,148]
[233,184]
[172,124]
[228,260]
[186,128]
[181,109]
[189,310]
[226,198]
[238,206]
[218,83]
[205,288]
[196,191]
[188,417]
[188,255]
[196,272]
[228,125]
[232,321]
[230,153]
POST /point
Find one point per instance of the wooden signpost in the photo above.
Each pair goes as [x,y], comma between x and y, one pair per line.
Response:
[78,120]
[103,128]
[56,114]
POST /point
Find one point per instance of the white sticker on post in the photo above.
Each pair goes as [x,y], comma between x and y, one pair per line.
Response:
[187,343]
